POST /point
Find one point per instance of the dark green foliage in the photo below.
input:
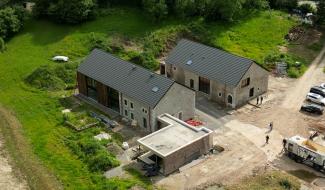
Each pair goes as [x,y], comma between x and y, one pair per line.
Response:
[283,4]
[146,60]
[321,12]
[306,8]
[53,77]
[66,11]
[102,161]
[11,21]
[157,9]
[91,151]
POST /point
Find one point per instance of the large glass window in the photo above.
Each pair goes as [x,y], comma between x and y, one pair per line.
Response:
[113,99]
[91,88]
[204,85]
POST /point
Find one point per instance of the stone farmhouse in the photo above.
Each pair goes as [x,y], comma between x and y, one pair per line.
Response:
[132,91]
[222,77]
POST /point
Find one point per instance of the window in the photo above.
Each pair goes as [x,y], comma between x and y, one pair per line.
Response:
[132,116]
[131,105]
[145,125]
[125,102]
[144,110]
[126,112]
[204,85]
[174,68]
[113,99]
[245,82]
[220,94]
[191,83]
[91,88]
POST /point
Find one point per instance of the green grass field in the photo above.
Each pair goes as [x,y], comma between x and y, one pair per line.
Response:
[40,111]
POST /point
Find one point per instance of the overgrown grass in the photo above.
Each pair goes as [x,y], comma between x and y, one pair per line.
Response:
[254,37]
[269,181]
[39,111]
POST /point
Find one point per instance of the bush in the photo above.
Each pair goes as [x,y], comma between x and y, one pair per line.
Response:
[44,78]
[102,161]
[89,146]
[146,60]
[49,77]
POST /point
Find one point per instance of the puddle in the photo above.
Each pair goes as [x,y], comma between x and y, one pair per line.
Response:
[304,175]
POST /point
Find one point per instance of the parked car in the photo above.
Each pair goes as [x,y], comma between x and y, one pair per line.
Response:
[316,98]
[60,58]
[312,108]
[318,90]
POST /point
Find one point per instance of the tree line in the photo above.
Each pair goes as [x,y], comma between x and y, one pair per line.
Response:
[77,11]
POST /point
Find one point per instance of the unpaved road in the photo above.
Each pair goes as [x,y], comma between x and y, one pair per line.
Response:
[8,180]
[314,75]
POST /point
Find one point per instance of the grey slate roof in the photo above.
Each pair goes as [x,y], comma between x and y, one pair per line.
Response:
[209,62]
[129,79]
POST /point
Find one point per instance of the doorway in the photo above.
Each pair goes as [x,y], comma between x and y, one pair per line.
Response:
[251,92]
[229,99]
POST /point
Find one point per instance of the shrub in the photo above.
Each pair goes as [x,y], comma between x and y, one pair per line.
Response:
[44,78]
[102,161]
[146,60]
[53,77]
[286,184]
[89,146]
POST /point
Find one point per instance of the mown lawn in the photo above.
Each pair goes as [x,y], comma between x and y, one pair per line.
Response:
[40,111]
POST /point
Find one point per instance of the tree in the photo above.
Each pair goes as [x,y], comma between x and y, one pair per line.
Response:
[321,12]
[11,21]
[185,7]
[66,11]
[72,11]
[157,9]
[224,10]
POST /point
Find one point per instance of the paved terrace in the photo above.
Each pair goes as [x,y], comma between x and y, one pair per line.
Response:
[175,136]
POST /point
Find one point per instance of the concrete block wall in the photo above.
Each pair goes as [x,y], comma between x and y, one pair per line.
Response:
[187,154]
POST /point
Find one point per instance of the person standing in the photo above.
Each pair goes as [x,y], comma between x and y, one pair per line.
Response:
[262,99]
[257,100]
[271,126]
[267,138]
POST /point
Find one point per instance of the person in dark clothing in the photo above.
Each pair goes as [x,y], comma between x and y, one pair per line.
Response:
[257,100]
[262,99]
[284,142]
[267,138]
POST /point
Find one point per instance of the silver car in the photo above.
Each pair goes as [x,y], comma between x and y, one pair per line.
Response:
[316,98]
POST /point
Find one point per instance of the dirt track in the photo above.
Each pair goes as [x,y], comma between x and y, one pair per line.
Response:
[9,181]
[26,168]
